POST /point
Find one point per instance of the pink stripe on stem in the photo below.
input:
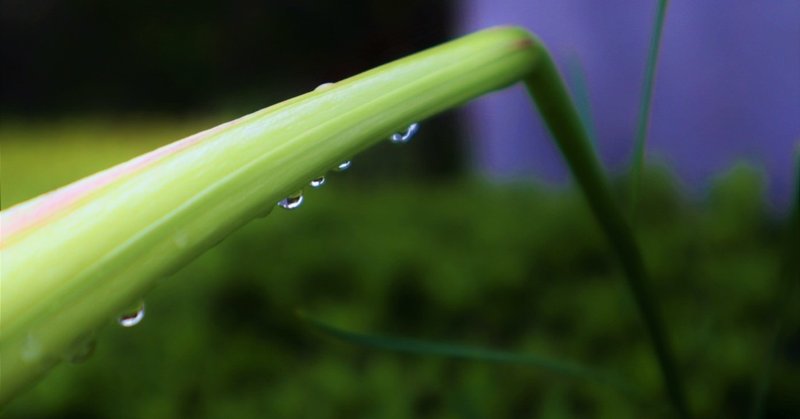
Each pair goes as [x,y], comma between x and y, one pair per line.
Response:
[25,216]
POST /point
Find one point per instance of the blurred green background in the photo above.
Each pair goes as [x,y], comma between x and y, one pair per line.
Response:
[517,267]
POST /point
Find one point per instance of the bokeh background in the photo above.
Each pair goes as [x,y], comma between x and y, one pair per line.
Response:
[470,235]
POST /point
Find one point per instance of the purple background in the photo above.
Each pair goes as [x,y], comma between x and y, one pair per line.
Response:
[727,86]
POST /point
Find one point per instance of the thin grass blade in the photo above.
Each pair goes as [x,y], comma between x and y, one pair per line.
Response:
[786,305]
[643,124]
[467,353]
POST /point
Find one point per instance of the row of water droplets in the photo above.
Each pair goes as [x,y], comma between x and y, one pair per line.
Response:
[294,200]
[84,347]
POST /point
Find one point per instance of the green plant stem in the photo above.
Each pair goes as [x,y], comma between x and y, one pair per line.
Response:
[643,123]
[548,91]
[74,259]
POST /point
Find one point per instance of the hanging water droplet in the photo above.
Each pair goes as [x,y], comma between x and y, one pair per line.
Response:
[292,201]
[132,318]
[31,349]
[401,138]
[317,182]
[263,214]
[324,86]
[81,350]
[83,354]
[344,166]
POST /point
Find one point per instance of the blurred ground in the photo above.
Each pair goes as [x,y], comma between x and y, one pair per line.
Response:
[515,267]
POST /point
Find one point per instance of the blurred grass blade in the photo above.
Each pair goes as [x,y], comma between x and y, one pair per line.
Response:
[580,90]
[786,303]
[75,258]
[470,353]
[643,124]
[763,377]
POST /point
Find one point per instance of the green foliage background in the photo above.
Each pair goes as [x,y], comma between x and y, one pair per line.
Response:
[516,267]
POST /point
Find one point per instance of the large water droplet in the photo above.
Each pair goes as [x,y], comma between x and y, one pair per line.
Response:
[292,201]
[401,138]
[317,182]
[324,86]
[344,165]
[132,318]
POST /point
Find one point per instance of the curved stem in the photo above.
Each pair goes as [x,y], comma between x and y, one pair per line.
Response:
[75,258]
[78,256]
[548,91]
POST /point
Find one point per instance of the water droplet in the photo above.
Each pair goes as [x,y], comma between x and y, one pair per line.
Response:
[264,211]
[31,349]
[317,182]
[324,86]
[132,318]
[181,239]
[292,201]
[344,165]
[81,350]
[401,138]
